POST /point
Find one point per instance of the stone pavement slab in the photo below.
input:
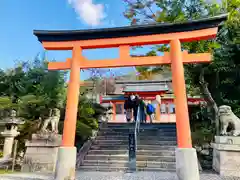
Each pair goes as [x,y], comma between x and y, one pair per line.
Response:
[81,175]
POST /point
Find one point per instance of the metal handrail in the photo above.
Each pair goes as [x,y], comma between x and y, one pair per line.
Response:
[136,131]
[133,144]
[137,127]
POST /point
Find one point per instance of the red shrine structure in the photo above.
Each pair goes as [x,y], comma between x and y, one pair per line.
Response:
[147,90]
[123,38]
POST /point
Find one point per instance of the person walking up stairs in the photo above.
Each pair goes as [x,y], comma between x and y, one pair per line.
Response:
[151,111]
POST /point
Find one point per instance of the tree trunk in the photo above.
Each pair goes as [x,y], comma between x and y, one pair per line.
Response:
[210,100]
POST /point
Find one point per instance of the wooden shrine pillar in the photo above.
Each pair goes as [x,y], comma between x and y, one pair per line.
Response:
[158,108]
[114,111]
[158,113]
[67,153]
[72,100]
[180,100]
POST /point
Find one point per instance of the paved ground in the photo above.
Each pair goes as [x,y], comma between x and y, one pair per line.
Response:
[113,176]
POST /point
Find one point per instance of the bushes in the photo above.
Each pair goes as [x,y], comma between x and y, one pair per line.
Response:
[32,90]
[88,114]
[203,131]
[1,154]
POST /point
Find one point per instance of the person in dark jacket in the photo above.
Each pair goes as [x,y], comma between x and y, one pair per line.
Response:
[136,103]
[142,108]
[128,106]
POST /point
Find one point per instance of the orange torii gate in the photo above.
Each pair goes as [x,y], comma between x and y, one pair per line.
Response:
[123,38]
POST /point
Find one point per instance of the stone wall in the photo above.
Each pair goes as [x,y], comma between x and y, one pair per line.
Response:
[205,155]
[41,153]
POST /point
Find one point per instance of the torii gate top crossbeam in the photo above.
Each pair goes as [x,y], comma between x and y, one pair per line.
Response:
[131,35]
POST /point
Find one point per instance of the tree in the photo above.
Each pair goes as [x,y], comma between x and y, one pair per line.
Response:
[146,73]
[226,66]
[50,85]
[106,86]
[12,83]
[197,75]
[103,81]
[33,91]
[88,115]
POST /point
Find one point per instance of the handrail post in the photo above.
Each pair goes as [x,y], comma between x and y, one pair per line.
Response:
[132,151]
[133,145]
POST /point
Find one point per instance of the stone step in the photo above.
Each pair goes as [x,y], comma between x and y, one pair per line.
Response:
[156,130]
[152,142]
[139,147]
[125,157]
[102,168]
[163,134]
[153,133]
[148,125]
[139,152]
[123,137]
[125,134]
[141,130]
[121,169]
[147,142]
[141,164]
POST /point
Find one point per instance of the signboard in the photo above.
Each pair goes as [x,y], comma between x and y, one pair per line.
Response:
[132,151]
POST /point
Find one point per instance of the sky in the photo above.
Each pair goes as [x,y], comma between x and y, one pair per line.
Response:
[20,17]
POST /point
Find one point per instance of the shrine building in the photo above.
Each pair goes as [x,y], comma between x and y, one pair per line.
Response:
[147,90]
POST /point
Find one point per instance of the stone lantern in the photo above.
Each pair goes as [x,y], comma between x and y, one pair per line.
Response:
[10,132]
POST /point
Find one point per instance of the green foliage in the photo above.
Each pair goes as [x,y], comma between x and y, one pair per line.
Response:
[172,11]
[32,90]
[31,103]
[5,103]
[26,130]
[50,85]
[201,126]
[99,110]
[202,135]
[86,113]
[218,81]
[1,154]
[83,131]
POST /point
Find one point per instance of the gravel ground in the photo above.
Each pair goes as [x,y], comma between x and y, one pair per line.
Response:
[113,176]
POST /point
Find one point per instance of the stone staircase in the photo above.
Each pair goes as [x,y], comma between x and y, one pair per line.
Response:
[155,151]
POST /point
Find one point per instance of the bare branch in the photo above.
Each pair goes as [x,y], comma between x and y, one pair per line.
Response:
[209,97]
[139,12]
[153,14]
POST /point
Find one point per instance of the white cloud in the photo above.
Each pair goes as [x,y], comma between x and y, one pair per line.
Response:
[92,14]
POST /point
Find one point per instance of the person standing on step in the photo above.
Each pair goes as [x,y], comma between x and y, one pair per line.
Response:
[136,103]
[150,111]
[142,108]
[128,106]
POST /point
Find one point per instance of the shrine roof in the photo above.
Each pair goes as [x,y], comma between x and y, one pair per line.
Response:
[138,82]
[165,96]
[136,30]
[112,97]
[143,88]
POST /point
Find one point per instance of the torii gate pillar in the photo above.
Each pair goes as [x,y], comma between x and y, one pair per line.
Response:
[66,160]
[186,156]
